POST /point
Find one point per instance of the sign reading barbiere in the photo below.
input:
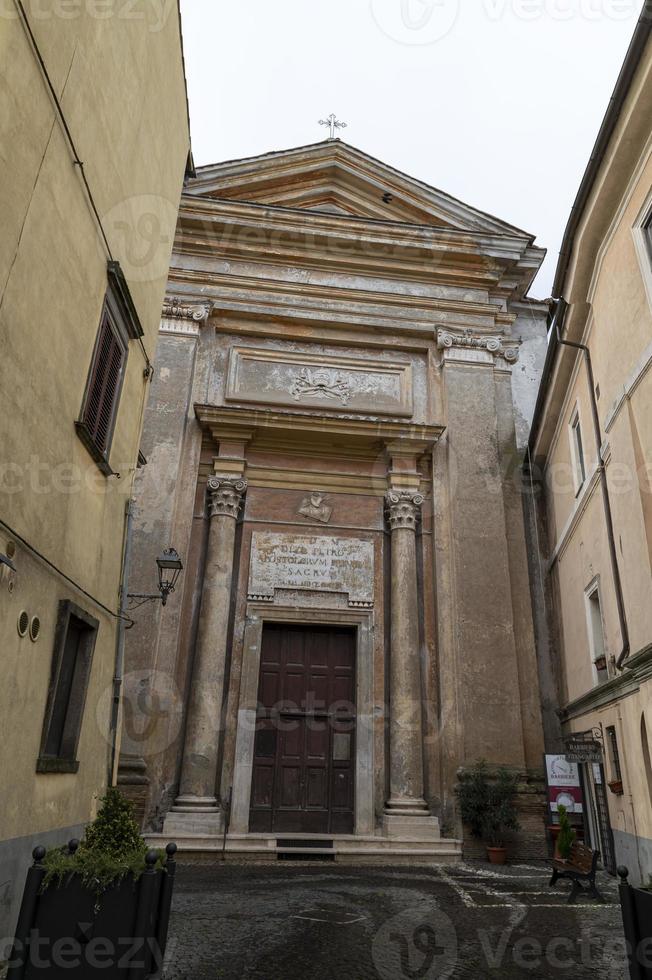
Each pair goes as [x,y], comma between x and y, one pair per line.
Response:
[315,562]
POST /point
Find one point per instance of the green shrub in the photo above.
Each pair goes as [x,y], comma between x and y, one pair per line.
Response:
[487,802]
[566,836]
[111,849]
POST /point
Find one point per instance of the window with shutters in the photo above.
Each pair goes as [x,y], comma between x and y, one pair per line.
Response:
[96,423]
[118,324]
[74,643]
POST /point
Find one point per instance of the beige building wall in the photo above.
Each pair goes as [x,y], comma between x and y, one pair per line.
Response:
[608,285]
[120,84]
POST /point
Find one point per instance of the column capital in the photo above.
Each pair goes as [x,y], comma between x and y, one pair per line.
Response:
[477,348]
[403,508]
[225,496]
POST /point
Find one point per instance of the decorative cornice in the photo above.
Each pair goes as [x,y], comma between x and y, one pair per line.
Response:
[403,508]
[225,497]
[468,341]
[370,428]
[636,670]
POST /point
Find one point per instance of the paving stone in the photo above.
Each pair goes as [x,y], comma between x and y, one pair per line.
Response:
[276,922]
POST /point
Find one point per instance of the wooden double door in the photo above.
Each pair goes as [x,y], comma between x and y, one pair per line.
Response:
[304,748]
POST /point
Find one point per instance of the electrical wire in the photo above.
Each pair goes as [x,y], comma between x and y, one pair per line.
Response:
[71,581]
[62,118]
[76,158]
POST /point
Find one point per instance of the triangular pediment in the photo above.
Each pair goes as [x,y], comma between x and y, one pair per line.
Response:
[336,178]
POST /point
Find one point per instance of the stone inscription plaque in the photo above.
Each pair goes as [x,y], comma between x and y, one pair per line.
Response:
[318,563]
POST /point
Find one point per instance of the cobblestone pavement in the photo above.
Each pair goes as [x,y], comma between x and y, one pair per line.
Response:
[286,921]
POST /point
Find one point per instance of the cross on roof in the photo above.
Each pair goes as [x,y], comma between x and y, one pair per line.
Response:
[334,124]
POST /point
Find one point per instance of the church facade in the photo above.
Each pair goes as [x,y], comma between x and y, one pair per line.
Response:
[347,366]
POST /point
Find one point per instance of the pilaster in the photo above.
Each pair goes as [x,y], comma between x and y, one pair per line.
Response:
[486,664]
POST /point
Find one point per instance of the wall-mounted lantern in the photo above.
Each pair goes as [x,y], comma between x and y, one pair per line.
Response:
[169,569]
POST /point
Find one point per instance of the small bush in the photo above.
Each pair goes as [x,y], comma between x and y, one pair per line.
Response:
[487,803]
[111,849]
[566,836]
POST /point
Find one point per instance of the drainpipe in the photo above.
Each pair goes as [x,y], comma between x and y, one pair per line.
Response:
[120,641]
[559,318]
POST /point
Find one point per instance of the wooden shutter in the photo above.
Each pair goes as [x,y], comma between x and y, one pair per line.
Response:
[104,385]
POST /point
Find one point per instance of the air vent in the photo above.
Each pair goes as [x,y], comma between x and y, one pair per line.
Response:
[23,623]
[34,629]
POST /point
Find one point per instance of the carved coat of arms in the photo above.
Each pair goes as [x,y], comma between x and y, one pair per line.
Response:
[321,383]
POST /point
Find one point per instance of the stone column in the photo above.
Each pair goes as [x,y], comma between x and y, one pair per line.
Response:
[406,812]
[197,809]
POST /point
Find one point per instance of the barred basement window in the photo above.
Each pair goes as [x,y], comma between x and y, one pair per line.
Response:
[74,643]
[118,323]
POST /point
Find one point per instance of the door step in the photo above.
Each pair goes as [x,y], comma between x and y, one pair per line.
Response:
[298,849]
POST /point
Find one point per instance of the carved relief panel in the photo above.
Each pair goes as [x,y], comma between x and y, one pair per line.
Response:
[311,381]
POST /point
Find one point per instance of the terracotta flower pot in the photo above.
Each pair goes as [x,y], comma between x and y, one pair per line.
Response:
[497,855]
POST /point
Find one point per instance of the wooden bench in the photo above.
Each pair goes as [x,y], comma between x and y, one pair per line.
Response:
[580,867]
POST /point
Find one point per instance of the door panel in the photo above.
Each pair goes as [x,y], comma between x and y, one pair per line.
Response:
[304,750]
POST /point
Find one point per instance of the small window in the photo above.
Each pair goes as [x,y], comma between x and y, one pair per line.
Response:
[577,450]
[614,755]
[118,323]
[596,636]
[74,643]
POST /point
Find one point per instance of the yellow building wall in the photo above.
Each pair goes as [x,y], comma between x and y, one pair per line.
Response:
[618,335]
[121,86]
[609,288]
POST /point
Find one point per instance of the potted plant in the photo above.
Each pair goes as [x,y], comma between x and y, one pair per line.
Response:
[99,907]
[566,836]
[488,807]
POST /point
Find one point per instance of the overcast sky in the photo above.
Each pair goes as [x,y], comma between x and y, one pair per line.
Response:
[497,102]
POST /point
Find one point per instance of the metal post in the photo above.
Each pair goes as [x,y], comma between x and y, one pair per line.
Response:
[26,917]
[164,906]
[120,641]
[630,924]
[146,897]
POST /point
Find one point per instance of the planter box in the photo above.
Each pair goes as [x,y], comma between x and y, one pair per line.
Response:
[636,908]
[119,935]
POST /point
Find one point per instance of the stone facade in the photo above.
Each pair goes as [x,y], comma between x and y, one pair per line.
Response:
[336,419]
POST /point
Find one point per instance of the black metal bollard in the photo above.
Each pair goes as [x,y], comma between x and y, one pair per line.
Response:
[26,916]
[630,924]
[146,896]
[164,907]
